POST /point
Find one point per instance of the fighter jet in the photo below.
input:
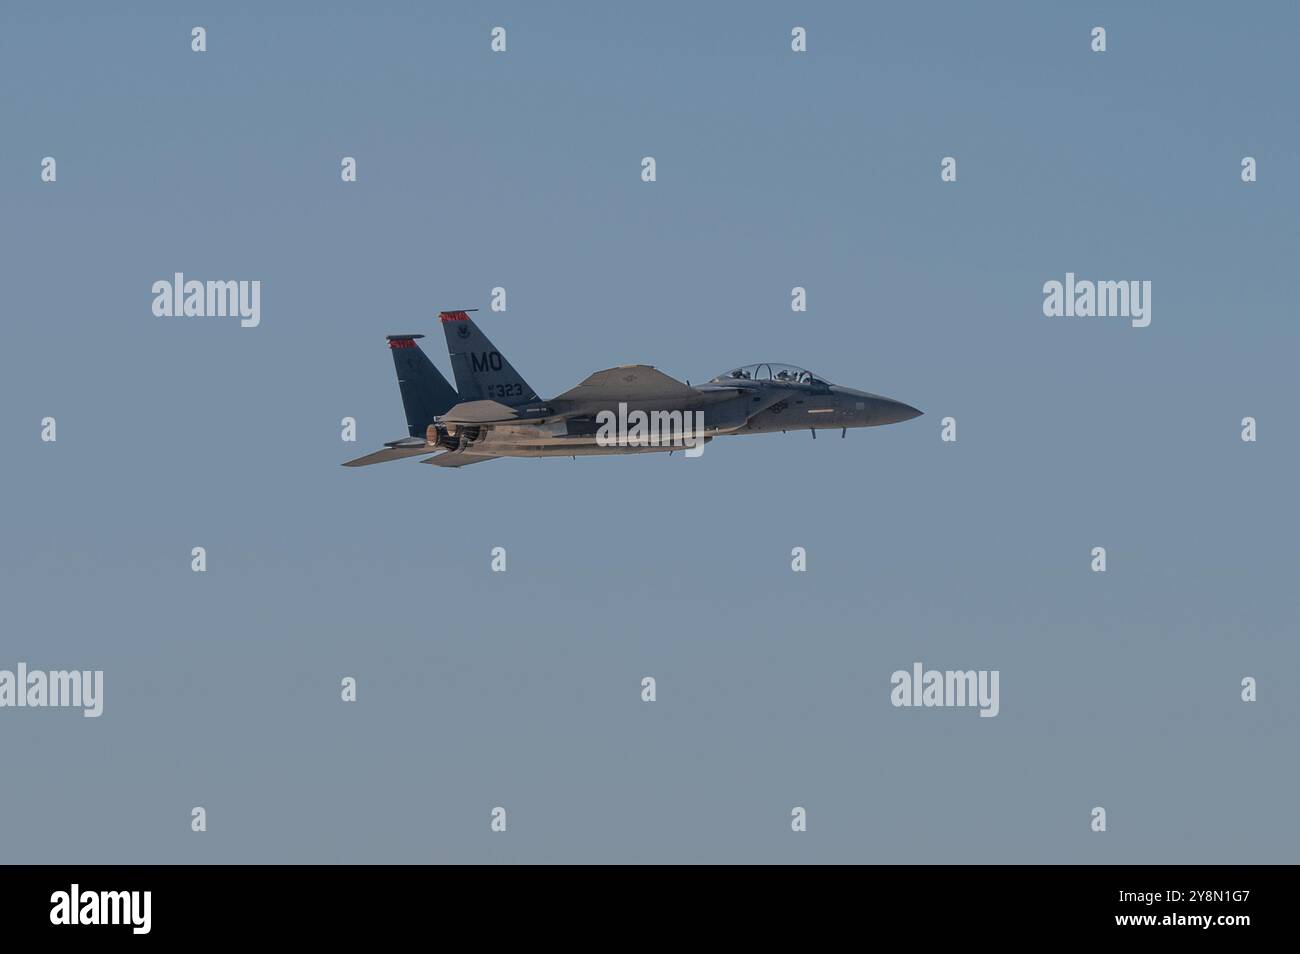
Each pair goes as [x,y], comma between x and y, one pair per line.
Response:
[492,412]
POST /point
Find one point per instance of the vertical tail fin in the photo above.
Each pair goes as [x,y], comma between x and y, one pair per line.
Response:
[481,371]
[425,392]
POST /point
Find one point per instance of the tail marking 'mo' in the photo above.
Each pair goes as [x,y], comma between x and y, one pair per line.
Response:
[482,372]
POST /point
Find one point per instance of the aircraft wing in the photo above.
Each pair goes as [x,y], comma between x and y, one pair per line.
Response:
[631,382]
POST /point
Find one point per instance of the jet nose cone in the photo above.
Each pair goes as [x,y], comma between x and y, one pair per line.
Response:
[892,412]
[908,412]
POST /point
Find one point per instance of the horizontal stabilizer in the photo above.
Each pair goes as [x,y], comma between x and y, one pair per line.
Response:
[631,382]
[455,459]
[479,412]
[389,453]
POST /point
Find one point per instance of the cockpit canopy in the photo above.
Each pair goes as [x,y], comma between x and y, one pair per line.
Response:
[781,373]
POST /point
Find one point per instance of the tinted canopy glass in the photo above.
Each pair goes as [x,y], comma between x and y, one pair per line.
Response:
[783,373]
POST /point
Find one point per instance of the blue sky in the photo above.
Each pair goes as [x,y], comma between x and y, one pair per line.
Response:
[521,689]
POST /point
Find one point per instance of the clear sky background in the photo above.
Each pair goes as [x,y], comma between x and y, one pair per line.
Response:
[522,689]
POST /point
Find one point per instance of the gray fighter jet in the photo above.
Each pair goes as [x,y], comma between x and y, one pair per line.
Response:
[492,412]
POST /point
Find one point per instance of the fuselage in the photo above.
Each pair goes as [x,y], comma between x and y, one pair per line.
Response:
[628,409]
[738,407]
